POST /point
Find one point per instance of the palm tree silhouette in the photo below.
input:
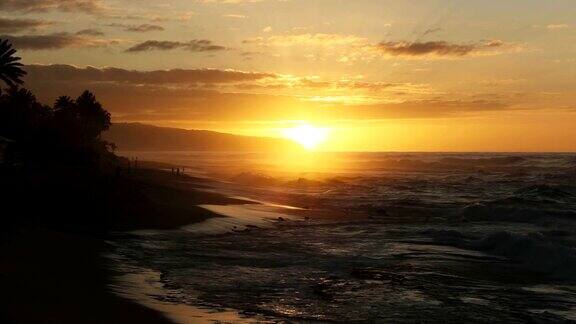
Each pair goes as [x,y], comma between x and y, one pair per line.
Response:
[10,71]
[64,103]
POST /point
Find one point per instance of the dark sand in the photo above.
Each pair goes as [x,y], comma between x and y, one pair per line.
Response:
[50,277]
[166,201]
[51,273]
[55,276]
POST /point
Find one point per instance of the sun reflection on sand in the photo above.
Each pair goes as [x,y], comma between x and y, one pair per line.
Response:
[143,285]
[238,218]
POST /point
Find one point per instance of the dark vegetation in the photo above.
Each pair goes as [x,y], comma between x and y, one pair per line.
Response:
[57,180]
[62,190]
[67,133]
[56,171]
[10,67]
[55,168]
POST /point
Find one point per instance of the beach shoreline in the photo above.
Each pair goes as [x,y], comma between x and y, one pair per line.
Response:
[164,260]
[50,275]
[55,277]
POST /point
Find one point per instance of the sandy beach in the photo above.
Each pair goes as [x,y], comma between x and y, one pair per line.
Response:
[53,276]
[191,249]
[50,275]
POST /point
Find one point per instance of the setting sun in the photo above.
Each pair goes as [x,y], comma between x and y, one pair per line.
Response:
[307,135]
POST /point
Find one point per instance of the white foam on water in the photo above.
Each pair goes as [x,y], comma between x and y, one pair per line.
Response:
[238,218]
[267,203]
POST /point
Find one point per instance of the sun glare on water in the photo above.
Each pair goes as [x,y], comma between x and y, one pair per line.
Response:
[310,137]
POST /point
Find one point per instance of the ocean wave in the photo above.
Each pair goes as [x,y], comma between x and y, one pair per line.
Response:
[547,192]
[450,164]
[305,183]
[257,179]
[528,204]
[491,161]
[534,251]
[552,253]
[262,179]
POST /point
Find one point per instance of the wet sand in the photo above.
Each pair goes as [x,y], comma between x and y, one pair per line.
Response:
[51,277]
[144,287]
[56,276]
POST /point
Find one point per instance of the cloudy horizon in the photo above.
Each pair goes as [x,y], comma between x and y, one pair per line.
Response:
[439,75]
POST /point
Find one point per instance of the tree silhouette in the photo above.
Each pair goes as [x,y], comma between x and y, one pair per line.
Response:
[64,103]
[20,113]
[10,69]
[93,118]
[66,113]
[68,133]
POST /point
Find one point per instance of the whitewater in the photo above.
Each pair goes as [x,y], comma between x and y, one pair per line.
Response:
[365,237]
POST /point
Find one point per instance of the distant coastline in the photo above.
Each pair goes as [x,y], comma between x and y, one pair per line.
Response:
[143,137]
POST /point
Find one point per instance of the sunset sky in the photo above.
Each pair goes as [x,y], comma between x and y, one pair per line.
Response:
[400,75]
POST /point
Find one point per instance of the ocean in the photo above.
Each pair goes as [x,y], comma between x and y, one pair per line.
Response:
[416,237]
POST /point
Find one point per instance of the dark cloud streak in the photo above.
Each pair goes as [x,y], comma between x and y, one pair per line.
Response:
[196,45]
[144,28]
[54,41]
[199,94]
[85,6]
[438,48]
[69,73]
[18,25]
[90,32]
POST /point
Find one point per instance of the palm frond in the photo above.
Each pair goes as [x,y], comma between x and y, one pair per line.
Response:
[10,67]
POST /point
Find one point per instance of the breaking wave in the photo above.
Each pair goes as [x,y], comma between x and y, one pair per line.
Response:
[453,238]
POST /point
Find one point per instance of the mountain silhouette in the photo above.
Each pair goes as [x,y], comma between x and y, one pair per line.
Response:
[142,137]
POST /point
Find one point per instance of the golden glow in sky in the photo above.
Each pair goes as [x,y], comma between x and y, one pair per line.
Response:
[425,75]
[310,137]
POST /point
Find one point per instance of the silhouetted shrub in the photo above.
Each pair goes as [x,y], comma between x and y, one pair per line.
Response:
[67,133]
